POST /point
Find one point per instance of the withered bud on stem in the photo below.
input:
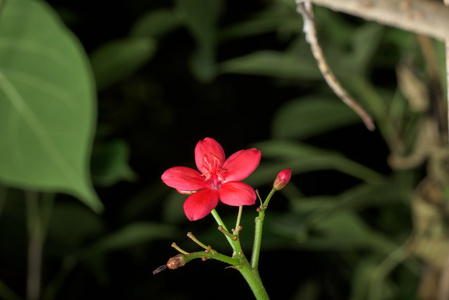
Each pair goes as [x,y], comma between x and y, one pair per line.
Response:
[173,263]
[176,262]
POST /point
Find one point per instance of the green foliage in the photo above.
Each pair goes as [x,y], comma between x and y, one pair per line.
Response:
[304,158]
[118,59]
[129,236]
[110,163]
[316,114]
[156,24]
[201,18]
[47,112]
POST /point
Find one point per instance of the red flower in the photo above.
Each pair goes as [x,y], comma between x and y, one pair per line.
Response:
[219,178]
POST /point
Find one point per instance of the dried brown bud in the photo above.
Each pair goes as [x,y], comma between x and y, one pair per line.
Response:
[176,262]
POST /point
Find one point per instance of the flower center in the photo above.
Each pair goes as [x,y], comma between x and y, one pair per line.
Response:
[214,171]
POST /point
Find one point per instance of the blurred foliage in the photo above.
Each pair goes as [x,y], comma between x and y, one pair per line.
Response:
[364,217]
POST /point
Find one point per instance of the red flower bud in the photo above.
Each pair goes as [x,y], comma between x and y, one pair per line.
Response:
[282,179]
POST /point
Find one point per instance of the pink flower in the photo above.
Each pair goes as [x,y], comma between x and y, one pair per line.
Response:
[282,179]
[218,179]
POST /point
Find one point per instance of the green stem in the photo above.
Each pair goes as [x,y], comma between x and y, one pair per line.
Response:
[211,255]
[234,245]
[258,231]
[34,247]
[241,264]
[38,215]
[253,279]
[239,260]
[237,223]
[3,194]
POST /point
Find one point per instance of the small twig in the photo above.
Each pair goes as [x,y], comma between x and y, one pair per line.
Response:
[174,245]
[304,7]
[443,291]
[446,3]
[193,238]
[237,223]
[225,232]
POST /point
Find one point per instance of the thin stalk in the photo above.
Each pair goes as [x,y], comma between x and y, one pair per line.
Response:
[446,43]
[3,193]
[237,223]
[193,238]
[38,216]
[230,240]
[47,202]
[211,255]
[258,231]
[35,246]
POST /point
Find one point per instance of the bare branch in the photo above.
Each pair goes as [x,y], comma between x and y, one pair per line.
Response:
[304,7]
[446,3]
[427,17]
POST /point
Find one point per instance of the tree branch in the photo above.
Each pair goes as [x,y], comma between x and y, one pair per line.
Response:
[427,17]
[304,7]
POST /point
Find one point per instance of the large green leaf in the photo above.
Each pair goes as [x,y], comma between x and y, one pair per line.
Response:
[47,104]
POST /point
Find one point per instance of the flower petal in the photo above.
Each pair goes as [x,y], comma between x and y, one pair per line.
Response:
[206,147]
[240,164]
[184,179]
[200,204]
[237,194]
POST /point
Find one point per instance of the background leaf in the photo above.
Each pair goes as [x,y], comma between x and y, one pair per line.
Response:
[201,18]
[47,101]
[110,163]
[128,236]
[309,116]
[120,58]
[155,24]
[273,63]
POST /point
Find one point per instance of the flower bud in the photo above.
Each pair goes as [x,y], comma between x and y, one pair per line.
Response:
[176,262]
[282,179]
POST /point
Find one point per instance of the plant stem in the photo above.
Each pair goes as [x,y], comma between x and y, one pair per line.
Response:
[3,194]
[211,255]
[220,222]
[38,215]
[237,223]
[241,264]
[258,231]
[253,279]
[34,247]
